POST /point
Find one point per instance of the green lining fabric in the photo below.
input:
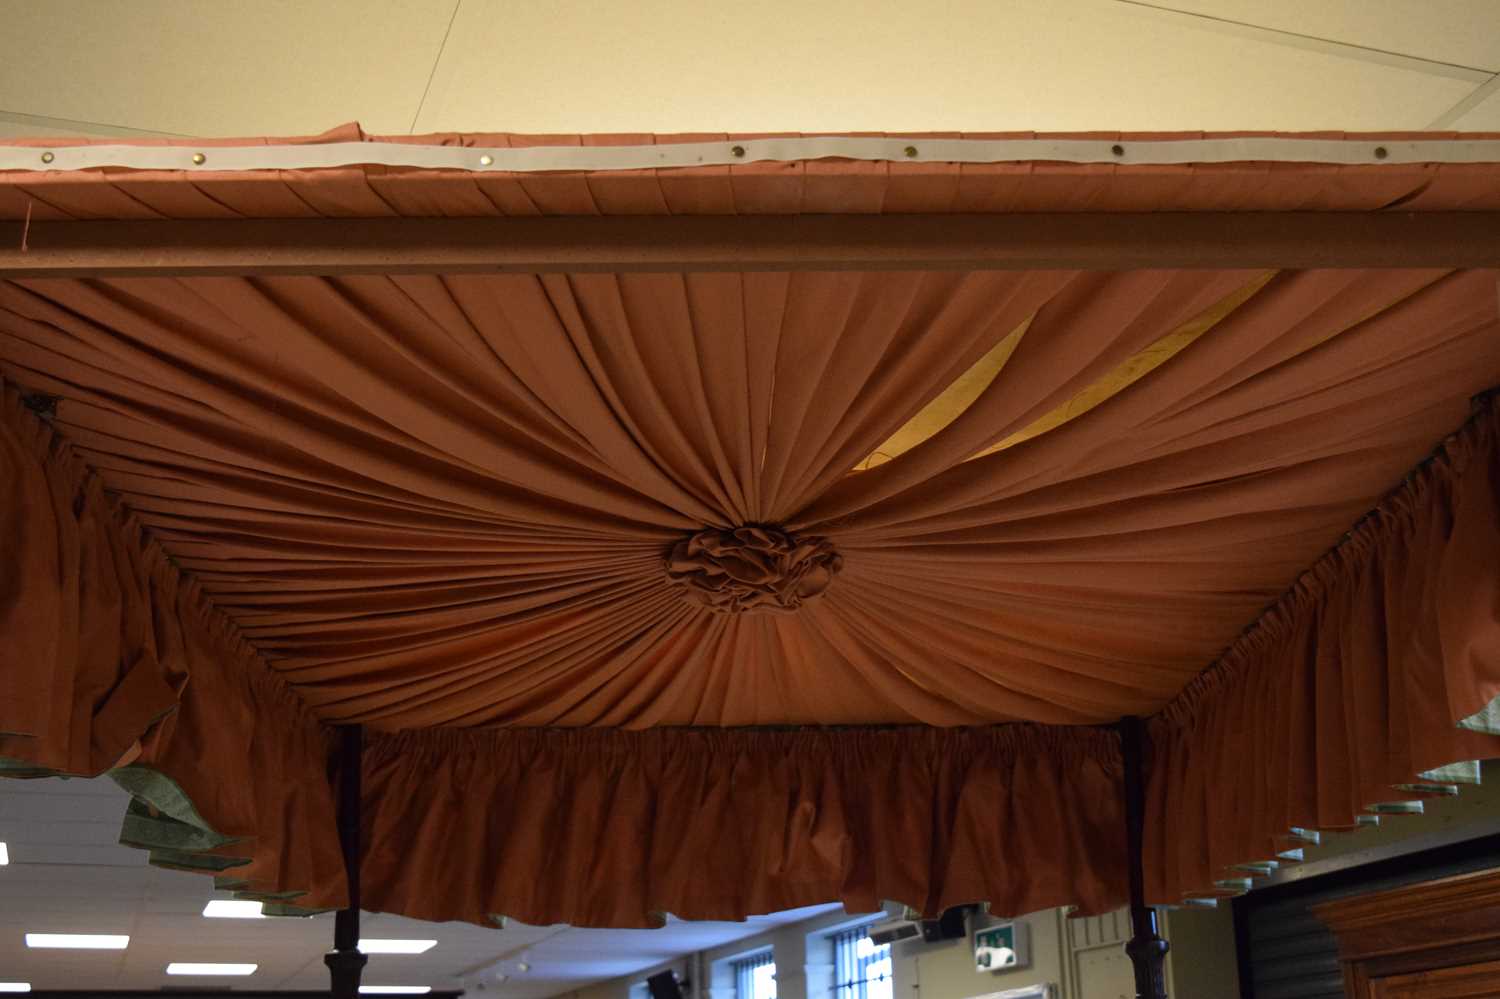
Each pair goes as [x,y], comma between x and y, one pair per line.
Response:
[1454,773]
[21,770]
[162,793]
[272,903]
[162,820]
[1486,719]
[184,860]
[149,830]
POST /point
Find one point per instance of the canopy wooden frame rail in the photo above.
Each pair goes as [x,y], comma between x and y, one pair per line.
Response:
[709,244]
[170,275]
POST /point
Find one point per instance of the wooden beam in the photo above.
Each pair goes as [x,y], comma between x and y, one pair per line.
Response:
[1199,240]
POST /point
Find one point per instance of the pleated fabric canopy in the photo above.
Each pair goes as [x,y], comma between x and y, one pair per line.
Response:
[716,591]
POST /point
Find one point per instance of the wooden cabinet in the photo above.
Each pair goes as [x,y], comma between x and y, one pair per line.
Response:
[1432,940]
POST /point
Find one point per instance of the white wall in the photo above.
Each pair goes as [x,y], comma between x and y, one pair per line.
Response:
[1084,958]
[710,976]
[948,970]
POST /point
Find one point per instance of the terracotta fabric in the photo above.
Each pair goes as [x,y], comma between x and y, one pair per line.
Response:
[750,569]
[1352,685]
[616,828]
[110,657]
[438,504]
[431,501]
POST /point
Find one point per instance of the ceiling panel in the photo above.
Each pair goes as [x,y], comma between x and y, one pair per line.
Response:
[13,125]
[1461,32]
[580,66]
[228,67]
[68,875]
[1484,116]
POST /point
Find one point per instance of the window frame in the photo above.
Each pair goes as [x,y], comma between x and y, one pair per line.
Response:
[743,969]
[851,978]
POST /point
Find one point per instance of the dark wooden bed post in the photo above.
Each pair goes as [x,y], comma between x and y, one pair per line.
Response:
[345,962]
[1147,949]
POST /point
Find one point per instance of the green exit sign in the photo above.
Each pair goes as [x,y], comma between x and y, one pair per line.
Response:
[999,947]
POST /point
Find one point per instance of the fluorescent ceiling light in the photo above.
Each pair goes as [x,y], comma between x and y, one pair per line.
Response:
[4,859]
[15,986]
[395,990]
[185,968]
[78,941]
[397,946]
[225,908]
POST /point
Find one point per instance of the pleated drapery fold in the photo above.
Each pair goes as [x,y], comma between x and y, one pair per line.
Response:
[601,828]
[114,662]
[1351,690]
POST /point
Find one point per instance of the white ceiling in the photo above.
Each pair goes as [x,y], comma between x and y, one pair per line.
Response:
[284,67]
[68,875]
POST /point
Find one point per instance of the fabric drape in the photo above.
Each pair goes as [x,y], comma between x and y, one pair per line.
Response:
[449,501]
[491,517]
[602,828]
[112,661]
[1350,690]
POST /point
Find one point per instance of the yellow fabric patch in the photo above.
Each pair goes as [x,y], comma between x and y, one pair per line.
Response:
[1136,367]
[947,407]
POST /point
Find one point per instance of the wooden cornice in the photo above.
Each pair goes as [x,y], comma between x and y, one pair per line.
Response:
[1446,913]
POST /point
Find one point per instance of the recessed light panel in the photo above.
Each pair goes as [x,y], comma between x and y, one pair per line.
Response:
[78,941]
[394,990]
[226,908]
[396,946]
[188,968]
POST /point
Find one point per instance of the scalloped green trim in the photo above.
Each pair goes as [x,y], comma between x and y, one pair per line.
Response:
[1454,773]
[162,820]
[21,770]
[185,860]
[1486,719]
[166,796]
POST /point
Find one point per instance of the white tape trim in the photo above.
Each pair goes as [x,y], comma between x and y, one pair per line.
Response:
[690,154]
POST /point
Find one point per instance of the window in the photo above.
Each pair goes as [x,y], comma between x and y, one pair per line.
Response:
[862,969]
[755,976]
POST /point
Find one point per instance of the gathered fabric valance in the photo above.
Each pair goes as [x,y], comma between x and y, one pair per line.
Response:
[602,828]
[113,661]
[1378,670]
[718,593]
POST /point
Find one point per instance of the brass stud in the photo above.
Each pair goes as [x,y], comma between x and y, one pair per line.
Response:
[47,157]
[1381,153]
[911,152]
[199,159]
[486,160]
[1117,149]
[739,152]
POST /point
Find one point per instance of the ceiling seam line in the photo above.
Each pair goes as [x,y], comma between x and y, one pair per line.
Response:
[1476,97]
[432,73]
[1351,50]
[26,118]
